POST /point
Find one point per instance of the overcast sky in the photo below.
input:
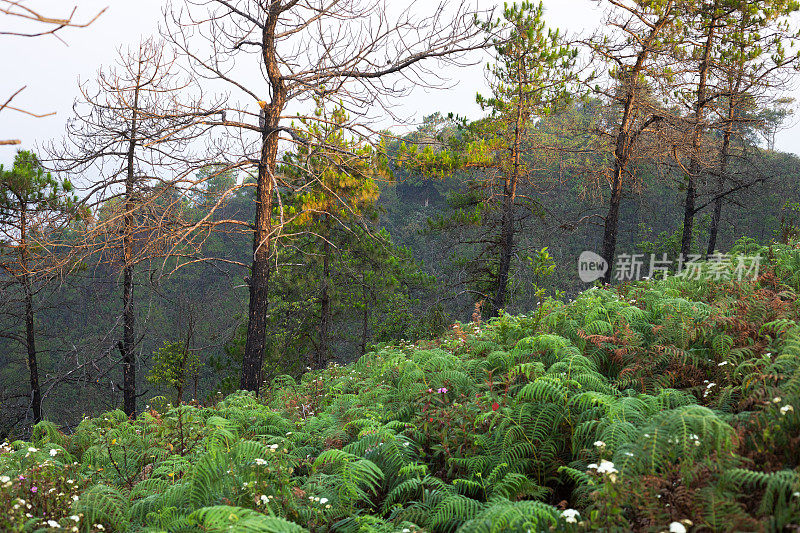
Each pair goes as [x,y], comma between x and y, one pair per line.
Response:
[50,69]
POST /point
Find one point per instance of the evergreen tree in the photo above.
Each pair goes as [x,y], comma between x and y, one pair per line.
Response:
[33,204]
[335,175]
[501,156]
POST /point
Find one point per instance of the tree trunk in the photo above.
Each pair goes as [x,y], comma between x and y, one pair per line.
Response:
[30,338]
[128,342]
[128,315]
[622,151]
[33,367]
[733,110]
[260,271]
[364,328]
[324,348]
[715,218]
[509,199]
[611,223]
[688,214]
[262,244]
[689,209]
[623,147]
[506,253]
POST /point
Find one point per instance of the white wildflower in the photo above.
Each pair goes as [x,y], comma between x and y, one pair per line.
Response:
[606,467]
[53,523]
[323,500]
[599,444]
[259,461]
[776,399]
[33,450]
[571,516]
[75,517]
[786,408]
[677,527]
[53,452]
[722,363]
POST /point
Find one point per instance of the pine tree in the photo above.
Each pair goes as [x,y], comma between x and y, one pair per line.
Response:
[33,204]
[335,175]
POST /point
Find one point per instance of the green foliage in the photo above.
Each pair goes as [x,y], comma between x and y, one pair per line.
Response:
[614,405]
[174,364]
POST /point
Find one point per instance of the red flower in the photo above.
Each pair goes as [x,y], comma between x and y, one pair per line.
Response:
[495,406]
[431,419]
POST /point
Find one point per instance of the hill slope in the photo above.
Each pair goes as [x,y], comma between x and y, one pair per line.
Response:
[656,405]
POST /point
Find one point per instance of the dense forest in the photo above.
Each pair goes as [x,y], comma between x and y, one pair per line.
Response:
[233,299]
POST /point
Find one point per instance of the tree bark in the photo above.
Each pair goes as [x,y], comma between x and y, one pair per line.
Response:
[128,312]
[688,212]
[364,328]
[33,367]
[611,222]
[323,348]
[622,154]
[506,251]
[30,337]
[260,270]
[128,318]
[717,215]
[262,236]
[724,155]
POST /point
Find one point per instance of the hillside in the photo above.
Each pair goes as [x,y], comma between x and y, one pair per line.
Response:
[79,318]
[653,406]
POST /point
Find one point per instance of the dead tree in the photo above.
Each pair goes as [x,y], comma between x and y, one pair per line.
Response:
[131,135]
[280,54]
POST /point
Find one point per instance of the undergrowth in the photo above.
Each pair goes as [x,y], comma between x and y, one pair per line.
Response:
[649,406]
